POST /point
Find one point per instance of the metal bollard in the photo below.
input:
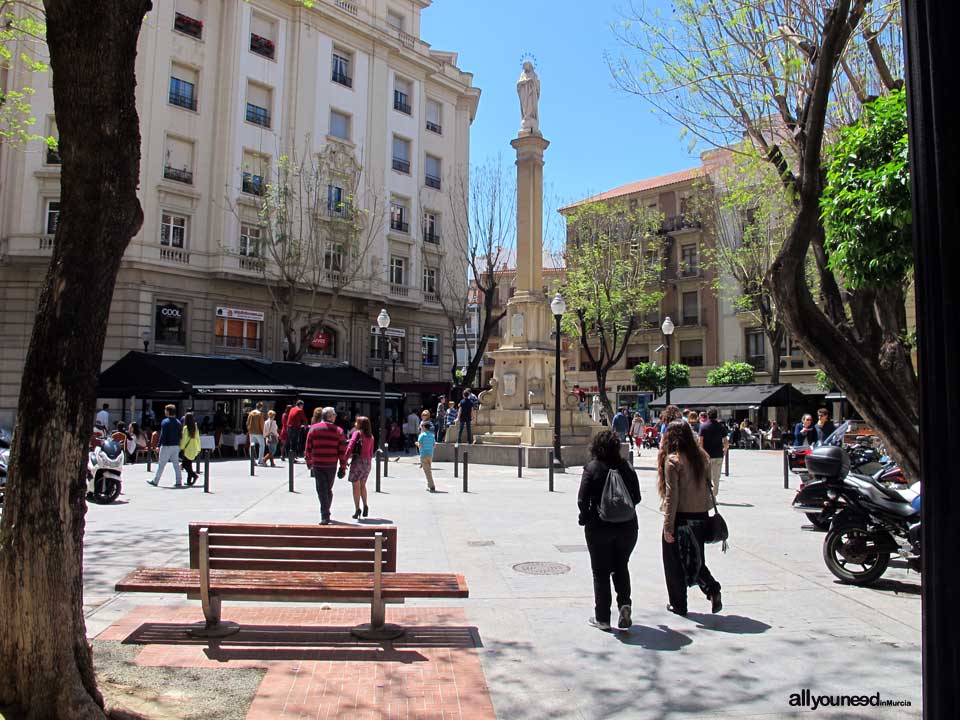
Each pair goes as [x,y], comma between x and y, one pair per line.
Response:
[290,470]
[148,459]
[379,460]
[456,459]
[386,462]
[550,473]
[786,469]
[252,466]
[520,461]
[466,469]
[726,462]
[206,471]
[631,456]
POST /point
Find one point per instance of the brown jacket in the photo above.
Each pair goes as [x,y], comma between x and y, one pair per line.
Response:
[255,422]
[683,492]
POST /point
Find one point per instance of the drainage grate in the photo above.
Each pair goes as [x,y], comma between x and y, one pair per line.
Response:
[571,548]
[541,568]
[480,543]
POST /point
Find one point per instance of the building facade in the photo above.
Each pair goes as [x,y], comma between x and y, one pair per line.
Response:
[225,88]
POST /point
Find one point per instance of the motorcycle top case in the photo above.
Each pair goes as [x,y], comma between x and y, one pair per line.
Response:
[828,462]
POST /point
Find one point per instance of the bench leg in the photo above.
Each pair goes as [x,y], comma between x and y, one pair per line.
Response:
[377,628]
[213,627]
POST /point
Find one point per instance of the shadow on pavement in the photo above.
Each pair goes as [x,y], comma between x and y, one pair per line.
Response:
[736,624]
[896,586]
[660,638]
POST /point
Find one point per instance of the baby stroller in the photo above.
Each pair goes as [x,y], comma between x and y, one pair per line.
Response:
[651,437]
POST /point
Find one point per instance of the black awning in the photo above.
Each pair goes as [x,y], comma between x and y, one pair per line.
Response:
[171,376]
[734,396]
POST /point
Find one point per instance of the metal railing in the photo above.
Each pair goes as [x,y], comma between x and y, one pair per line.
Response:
[401,165]
[238,342]
[680,222]
[435,127]
[342,79]
[262,46]
[258,115]
[399,226]
[432,181]
[183,100]
[180,175]
[188,25]
[431,237]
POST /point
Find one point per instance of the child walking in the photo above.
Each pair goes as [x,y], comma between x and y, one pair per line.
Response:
[425,442]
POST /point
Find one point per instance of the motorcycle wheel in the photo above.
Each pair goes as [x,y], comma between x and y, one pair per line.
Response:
[106,491]
[850,553]
[819,521]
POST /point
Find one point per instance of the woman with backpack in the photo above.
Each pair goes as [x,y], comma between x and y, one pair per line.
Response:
[609,490]
[683,482]
[360,451]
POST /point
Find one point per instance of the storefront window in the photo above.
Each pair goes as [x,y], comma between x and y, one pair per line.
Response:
[238,334]
[171,324]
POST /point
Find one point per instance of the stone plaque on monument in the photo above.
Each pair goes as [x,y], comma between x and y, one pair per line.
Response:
[517,328]
[510,384]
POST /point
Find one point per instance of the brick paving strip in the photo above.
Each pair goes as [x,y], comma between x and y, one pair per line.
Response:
[317,669]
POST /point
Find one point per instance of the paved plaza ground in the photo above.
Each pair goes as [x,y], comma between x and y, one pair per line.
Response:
[520,646]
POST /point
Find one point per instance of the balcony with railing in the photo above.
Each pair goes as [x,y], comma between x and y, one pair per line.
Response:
[188,25]
[401,102]
[430,297]
[181,175]
[26,246]
[262,46]
[258,115]
[339,210]
[431,237]
[399,225]
[347,7]
[401,165]
[399,290]
[178,256]
[341,78]
[432,181]
[184,100]
[759,362]
[675,223]
[434,127]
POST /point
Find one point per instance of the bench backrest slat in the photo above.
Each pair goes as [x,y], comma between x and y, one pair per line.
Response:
[332,548]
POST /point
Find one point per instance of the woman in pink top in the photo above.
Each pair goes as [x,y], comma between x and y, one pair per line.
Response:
[360,451]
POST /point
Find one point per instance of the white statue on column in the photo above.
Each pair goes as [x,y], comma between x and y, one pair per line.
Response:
[528,88]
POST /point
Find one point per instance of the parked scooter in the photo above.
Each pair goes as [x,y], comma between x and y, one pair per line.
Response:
[104,470]
[870,521]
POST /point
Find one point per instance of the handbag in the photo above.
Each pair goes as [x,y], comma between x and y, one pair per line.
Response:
[715,528]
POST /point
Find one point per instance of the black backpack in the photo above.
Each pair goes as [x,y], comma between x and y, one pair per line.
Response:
[616,505]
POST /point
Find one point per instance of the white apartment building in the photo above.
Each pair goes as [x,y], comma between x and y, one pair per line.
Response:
[224,88]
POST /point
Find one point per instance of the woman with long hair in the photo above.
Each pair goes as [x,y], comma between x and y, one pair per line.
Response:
[189,447]
[609,542]
[360,451]
[271,436]
[683,482]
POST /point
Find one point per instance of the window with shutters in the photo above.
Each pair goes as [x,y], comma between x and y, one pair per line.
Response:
[259,103]
[340,125]
[402,95]
[434,117]
[183,87]
[401,155]
[263,36]
[253,177]
[433,172]
[178,160]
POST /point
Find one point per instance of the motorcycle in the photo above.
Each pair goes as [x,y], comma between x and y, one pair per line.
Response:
[870,521]
[104,470]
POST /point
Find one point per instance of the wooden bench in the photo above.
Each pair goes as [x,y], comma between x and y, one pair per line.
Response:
[294,563]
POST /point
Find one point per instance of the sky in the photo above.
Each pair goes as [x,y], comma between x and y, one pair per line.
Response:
[600,136]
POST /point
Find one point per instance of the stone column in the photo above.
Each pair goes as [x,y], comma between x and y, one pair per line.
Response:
[530,212]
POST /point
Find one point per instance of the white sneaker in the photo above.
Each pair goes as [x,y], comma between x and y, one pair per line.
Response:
[625,619]
[599,625]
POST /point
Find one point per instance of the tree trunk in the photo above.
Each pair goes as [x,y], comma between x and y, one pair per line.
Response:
[602,392]
[46,669]
[775,338]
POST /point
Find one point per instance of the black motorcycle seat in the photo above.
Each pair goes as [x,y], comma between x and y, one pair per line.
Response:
[884,497]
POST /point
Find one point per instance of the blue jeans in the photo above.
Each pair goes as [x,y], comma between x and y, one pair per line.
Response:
[324,477]
[465,423]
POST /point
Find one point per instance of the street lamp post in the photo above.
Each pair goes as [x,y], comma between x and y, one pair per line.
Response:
[383,321]
[558,307]
[667,329]
[146,339]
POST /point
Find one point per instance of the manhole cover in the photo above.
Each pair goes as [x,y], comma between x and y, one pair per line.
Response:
[480,543]
[571,548]
[542,568]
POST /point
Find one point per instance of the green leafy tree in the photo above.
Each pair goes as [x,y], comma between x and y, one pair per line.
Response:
[785,76]
[824,382]
[652,378]
[731,373]
[613,258]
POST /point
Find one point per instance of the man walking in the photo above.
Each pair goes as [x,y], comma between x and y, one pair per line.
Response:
[169,446]
[255,431]
[411,430]
[295,428]
[621,423]
[326,447]
[465,416]
[713,439]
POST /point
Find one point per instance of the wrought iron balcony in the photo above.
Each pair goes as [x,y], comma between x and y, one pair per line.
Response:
[435,127]
[432,181]
[188,25]
[184,100]
[262,46]
[401,165]
[431,237]
[178,174]
[342,79]
[401,102]
[258,115]
[399,225]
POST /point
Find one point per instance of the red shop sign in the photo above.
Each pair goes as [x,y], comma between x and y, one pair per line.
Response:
[321,341]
